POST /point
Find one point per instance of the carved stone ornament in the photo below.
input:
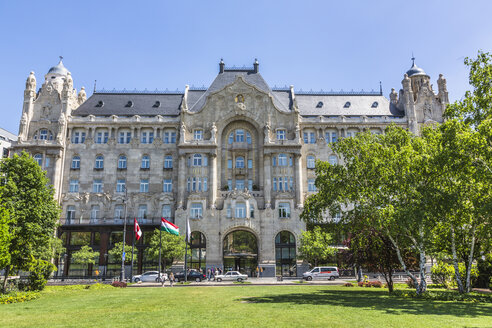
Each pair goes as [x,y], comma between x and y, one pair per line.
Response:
[427,111]
[31,82]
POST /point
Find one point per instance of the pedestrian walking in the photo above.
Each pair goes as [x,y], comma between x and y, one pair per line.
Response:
[171,279]
[257,272]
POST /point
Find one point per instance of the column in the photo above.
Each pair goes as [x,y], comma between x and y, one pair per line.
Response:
[267,184]
[299,182]
[181,180]
[213,180]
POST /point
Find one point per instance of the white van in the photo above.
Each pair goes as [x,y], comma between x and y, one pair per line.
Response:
[325,272]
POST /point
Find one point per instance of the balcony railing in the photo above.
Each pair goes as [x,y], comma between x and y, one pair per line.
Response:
[112,221]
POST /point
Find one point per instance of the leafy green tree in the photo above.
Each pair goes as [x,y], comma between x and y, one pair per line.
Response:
[316,246]
[5,237]
[85,255]
[27,195]
[173,248]
[116,253]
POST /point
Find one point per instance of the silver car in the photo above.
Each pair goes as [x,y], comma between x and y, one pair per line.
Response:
[328,272]
[150,276]
[231,275]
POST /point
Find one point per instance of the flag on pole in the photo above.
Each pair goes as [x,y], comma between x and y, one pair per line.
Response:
[136,229]
[188,230]
[169,227]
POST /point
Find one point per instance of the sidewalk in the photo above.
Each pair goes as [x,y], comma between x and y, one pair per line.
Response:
[250,282]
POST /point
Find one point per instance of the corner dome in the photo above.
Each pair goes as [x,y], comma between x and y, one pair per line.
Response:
[59,68]
[415,70]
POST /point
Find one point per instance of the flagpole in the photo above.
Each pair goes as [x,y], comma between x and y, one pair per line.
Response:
[186,252]
[160,247]
[133,247]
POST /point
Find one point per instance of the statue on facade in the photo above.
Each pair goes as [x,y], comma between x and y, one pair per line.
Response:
[82,96]
[31,82]
[213,132]
[267,132]
[182,132]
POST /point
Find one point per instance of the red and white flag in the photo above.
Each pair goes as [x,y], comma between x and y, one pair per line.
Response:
[138,232]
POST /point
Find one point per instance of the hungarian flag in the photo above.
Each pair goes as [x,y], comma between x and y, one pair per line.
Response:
[169,227]
[136,229]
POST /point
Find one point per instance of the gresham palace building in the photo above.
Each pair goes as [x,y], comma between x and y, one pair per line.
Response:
[237,159]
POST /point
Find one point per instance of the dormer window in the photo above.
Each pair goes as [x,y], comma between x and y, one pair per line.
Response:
[157,104]
[319,105]
[100,103]
[129,104]
[374,104]
[347,104]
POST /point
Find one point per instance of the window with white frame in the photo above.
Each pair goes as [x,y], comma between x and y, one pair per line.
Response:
[331,136]
[250,163]
[309,137]
[230,140]
[333,159]
[47,162]
[75,163]
[94,212]
[145,162]
[239,135]
[168,162]
[280,184]
[166,211]
[281,134]
[196,210]
[147,137]
[144,185]
[39,159]
[274,184]
[99,163]
[240,184]
[284,210]
[70,212]
[240,210]
[197,160]
[122,162]
[102,137]
[97,186]
[311,185]
[311,162]
[229,210]
[118,212]
[169,137]
[198,134]
[120,185]
[78,137]
[205,184]
[240,162]
[43,134]
[282,160]
[124,137]
[229,163]
[248,138]
[167,185]
[250,184]
[142,211]
[74,185]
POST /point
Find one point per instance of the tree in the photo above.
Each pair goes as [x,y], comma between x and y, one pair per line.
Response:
[27,195]
[316,246]
[173,248]
[85,255]
[5,237]
[116,252]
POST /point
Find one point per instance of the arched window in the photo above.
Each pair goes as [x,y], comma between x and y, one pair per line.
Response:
[75,162]
[168,162]
[311,162]
[333,159]
[99,164]
[240,162]
[282,160]
[43,134]
[122,162]
[285,254]
[197,251]
[39,159]
[145,162]
[197,160]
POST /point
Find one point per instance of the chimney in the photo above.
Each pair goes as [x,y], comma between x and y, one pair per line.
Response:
[255,65]
[221,66]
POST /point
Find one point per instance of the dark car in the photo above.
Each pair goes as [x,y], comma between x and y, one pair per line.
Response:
[192,276]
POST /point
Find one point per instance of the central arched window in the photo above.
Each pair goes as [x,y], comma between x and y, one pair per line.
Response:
[285,254]
[99,164]
[239,135]
[197,251]
[240,162]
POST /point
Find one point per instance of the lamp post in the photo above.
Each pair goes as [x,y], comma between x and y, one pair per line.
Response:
[125,201]
[105,266]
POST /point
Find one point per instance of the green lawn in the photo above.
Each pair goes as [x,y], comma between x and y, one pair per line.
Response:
[239,306]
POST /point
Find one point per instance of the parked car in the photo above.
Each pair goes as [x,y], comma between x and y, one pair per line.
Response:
[325,272]
[150,276]
[231,275]
[192,276]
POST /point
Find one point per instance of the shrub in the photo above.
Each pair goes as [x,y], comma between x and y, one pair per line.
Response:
[348,284]
[39,274]
[442,274]
[444,295]
[377,284]
[360,284]
[18,297]
[98,286]
[484,266]
[120,284]
[462,269]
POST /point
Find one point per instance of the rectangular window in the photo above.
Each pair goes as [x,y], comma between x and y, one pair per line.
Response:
[74,186]
[240,184]
[228,210]
[274,160]
[124,137]
[284,210]
[193,184]
[147,137]
[118,212]
[78,137]
[229,163]
[291,183]
[305,137]
[173,137]
[120,185]
[168,162]
[102,137]
[311,185]
[144,185]
[70,213]
[311,162]
[167,185]
[239,135]
[142,211]
[286,184]
[250,163]
[94,212]
[280,184]
[166,211]
[188,185]
[251,211]
[97,186]
[47,162]
[280,134]
[196,210]
[250,185]
[274,184]
[205,185]
[199,184]
[240,210]
[198,135]
[229,184]
[312,138]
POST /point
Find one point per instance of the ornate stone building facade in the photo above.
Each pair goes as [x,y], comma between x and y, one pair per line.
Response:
[236,158]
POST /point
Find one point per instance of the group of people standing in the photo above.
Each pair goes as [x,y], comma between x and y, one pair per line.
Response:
[212,272]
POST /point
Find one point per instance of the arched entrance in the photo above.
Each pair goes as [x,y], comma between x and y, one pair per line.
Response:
[240,252]
[285,254]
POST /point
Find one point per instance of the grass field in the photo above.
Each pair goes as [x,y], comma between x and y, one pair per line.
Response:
[239,306]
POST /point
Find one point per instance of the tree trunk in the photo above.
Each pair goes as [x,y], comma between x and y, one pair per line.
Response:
[7,272]
[455,262]
[423,283]
[470,262]
[404,266]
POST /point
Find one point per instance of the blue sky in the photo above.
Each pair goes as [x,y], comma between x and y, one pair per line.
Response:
[168,44]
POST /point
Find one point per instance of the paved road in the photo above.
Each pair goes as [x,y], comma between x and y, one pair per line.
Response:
[250,282]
